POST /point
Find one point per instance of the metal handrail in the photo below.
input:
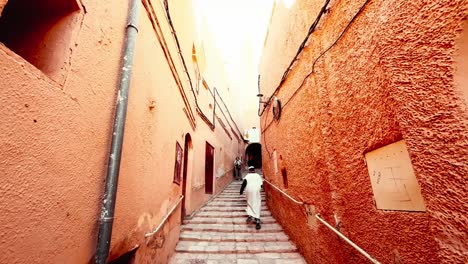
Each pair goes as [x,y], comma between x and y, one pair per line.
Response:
[281,191]
[347,240]
[165,218]
[367,255]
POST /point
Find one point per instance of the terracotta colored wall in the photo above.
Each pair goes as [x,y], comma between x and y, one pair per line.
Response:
[461,63]
[2,5]
[391,77]
[55,142]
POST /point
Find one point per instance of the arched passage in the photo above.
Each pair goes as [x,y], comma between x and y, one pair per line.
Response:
[187,159]
[253,155]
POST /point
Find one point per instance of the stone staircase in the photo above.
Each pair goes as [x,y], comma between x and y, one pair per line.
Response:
[219,234]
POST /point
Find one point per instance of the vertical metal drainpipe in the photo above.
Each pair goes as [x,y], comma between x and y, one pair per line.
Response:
[108,204]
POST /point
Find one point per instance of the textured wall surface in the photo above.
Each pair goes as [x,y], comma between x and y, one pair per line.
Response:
[56,138]
[390,77]
[2,5]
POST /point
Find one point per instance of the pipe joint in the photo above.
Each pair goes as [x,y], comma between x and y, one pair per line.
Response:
[106,219]
[132,25]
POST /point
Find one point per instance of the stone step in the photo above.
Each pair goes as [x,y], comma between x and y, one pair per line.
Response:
[242,258]
[232,200]
[227,209]
[216,247]
[229,214]
[243,228]
[238,221]
[234,191]
[237,195]
[229,204]
[232,237]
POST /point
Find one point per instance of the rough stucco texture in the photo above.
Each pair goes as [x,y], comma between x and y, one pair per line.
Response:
[55,142]
[389,78]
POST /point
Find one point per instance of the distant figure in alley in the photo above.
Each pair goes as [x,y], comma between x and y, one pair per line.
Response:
[252,184]
[237,169]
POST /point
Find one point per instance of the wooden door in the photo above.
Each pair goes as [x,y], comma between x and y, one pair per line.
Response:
[187,149]
[209,168]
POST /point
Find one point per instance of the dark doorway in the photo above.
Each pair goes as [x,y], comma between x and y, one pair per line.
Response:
[209,162]
[253,155]
[187,159]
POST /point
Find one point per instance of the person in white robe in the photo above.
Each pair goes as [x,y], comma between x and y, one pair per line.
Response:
[253,184]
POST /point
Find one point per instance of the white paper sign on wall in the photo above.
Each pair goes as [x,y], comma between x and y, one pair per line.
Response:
[393,180]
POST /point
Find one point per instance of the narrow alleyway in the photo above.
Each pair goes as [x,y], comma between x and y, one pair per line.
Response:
[218,233]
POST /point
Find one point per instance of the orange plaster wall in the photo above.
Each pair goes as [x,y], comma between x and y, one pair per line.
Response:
[2,5]
[56,138]
[391,77]
[461,62]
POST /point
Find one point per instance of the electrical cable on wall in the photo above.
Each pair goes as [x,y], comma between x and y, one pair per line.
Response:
[325,51]
[299,51]
[204,117]
[265,127]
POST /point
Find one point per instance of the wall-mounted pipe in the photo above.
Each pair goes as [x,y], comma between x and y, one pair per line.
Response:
[108,204]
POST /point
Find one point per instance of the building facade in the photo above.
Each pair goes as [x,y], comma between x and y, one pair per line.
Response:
[60,72]
[372,134]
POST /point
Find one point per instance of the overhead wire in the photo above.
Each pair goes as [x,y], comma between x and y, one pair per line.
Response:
[326,50]
[265,128]
[299,51]
[171,25]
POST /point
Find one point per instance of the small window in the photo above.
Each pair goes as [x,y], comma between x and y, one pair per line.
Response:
[284,173]
[40,31]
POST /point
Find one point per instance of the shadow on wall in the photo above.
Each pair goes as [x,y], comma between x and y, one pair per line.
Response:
[127,258]
[253,155]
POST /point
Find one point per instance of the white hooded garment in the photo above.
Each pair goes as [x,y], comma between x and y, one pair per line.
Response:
[252,190]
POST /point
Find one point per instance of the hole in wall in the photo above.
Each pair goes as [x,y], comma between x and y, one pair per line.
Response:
[284,173]
[40,31]
[152,105]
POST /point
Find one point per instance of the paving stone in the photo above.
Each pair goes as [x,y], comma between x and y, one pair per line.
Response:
[290,261]
[269,255]
[266,261]
[290,255]
[247,261]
